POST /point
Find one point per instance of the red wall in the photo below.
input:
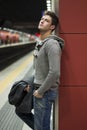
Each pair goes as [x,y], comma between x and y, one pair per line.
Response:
[73,88]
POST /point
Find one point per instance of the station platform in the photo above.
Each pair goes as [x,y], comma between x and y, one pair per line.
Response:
[15,72]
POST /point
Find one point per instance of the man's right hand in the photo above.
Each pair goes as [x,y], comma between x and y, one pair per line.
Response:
[27,88]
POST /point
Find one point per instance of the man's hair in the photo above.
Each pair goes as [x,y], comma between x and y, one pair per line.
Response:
[55,19]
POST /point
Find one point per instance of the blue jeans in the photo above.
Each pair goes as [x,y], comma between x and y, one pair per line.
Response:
[42,110]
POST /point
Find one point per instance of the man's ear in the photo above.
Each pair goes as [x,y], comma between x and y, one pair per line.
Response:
[52,27]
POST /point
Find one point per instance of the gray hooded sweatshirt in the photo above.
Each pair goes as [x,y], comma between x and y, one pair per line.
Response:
[47,56]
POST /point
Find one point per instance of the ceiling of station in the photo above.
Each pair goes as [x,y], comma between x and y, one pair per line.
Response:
[21,10]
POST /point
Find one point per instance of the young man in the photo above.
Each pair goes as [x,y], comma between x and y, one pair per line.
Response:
[47,56]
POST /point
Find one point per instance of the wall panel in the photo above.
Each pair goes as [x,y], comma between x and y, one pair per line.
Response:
[73,108]
[73,16]
[73,88]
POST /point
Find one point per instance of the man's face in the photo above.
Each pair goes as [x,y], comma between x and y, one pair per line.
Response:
[45,23]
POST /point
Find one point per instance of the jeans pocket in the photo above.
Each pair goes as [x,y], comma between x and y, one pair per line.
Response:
[52,94]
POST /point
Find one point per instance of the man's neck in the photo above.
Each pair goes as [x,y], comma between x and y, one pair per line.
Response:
[44,35]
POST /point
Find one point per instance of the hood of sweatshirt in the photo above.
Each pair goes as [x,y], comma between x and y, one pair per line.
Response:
[60,40]
[55,37]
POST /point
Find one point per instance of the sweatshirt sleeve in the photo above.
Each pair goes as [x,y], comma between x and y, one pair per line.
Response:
[53,52]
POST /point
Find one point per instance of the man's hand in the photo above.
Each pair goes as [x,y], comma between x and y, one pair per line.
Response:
[36,94]
[27,88]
